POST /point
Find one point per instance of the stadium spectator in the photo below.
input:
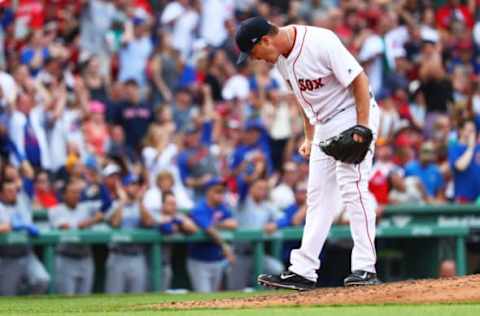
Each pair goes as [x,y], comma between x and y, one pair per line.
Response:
[166,183]
[256,212]
[390,121]
[183,109]
[181,19]
[74,267]
[435,86]
[28,133]
[135,51]
[95,129]
[463,157]
[96,83]
[65,109]
[262,84]
[8,149]
[163,118]
[165,70]
[108,190]
[454,11]
[44,195]
[408,190]
[378,183]
[20,269]
[126,266]
[35,54]
[302,165]
[120,149]
[133,115]
[196,162]
[23,176]
[282,195]
[96,20]
[251,158]
[170,221]
[159,152]
[212,24]
[428,172]
[253,141]
[237,86]
[207,260]
[292,216]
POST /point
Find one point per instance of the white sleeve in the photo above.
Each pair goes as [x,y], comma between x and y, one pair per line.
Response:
[340,61]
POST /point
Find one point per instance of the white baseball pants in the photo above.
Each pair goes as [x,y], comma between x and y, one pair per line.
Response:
[332,185]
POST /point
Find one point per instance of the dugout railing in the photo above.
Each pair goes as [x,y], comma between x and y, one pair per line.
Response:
[48,239]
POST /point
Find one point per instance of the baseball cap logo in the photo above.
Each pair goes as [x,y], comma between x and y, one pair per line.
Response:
[254,39]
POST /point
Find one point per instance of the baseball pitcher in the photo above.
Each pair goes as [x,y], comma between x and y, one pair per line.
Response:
[340,122]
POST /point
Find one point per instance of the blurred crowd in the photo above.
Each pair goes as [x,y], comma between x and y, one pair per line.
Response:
[134,113]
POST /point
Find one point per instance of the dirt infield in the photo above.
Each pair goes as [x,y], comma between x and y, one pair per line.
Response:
[455,290]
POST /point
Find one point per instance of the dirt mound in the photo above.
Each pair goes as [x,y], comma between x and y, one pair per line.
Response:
[454,290]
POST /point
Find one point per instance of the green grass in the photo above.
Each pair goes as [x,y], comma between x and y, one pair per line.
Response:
[132,305]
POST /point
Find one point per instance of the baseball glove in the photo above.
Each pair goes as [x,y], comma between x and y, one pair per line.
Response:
[343,148]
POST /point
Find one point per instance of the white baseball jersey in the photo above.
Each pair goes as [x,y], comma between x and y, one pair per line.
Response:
[320,70]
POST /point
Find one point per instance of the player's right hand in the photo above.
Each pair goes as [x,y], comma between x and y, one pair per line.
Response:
[305,149]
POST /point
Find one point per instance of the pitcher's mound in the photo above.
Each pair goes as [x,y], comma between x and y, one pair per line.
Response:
[454,290]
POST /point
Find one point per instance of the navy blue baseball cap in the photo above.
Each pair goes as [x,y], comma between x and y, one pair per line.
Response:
[249,34]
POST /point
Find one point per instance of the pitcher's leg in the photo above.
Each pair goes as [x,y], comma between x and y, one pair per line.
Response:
[323,199]
[353,183]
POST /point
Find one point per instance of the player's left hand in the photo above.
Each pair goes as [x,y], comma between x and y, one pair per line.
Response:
[357,138]
[346,146]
